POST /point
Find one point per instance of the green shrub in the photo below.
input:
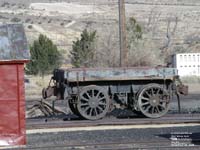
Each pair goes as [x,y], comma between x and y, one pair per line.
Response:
[44,57]
[82,54]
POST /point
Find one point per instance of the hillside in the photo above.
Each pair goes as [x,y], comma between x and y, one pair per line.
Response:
[175,23]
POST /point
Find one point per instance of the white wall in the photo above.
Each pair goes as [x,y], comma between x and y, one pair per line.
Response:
[188,64]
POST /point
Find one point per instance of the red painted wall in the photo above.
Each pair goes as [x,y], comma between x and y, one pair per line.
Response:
[12,104]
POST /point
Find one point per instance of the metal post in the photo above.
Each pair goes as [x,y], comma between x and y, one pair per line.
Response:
[122,35]
[179,103]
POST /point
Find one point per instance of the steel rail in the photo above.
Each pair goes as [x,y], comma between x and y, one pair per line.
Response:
[109,121]
[118,145]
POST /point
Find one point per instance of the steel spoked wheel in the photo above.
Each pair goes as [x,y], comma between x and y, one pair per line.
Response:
[93,103]
[73,108]
[153,101]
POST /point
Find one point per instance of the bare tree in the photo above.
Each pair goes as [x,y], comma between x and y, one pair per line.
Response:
[172,24]
[153,19]
[108,47]
[142,51]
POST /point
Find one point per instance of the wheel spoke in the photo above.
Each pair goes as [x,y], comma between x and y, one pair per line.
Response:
[98,94]
[144,98]
[157,109]
[161,106]
[92,93]
[147,94]
[91,111]
[152,110]
[101,98]
[84,99]
[88,95]
[101,109]
[147,109]
[145,103]
[157,93]
[86,109]
[84,104]
[100,103]
[95,110]
[152,91]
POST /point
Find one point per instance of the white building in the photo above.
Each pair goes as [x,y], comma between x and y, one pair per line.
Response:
[188,64]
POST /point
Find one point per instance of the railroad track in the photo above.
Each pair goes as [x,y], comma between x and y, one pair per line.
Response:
[152,144]
[161,142]
[68,122]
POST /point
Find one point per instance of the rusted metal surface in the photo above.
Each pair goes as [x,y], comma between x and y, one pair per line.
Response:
[13,43]
[48,92]
[93,102]
[155,99]
[145,90]
[13,54]
[12,105]
[182,89]
[102,74]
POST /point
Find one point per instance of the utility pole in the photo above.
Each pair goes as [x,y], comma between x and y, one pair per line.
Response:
[122,34]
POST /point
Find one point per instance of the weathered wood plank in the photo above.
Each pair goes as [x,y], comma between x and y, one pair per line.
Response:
[106,74]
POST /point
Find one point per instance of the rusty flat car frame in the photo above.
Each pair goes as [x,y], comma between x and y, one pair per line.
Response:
[93,92]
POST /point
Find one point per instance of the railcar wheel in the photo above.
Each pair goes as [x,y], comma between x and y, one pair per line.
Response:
[153,101]
[93,102]
[73,108]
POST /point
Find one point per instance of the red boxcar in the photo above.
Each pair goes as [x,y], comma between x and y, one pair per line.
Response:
[13,54]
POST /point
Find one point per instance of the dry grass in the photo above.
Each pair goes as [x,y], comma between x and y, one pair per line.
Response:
[193,82]
[191,79]
[194,88]
[33,89]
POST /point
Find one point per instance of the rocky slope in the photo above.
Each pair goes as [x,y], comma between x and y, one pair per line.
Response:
[174,23]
